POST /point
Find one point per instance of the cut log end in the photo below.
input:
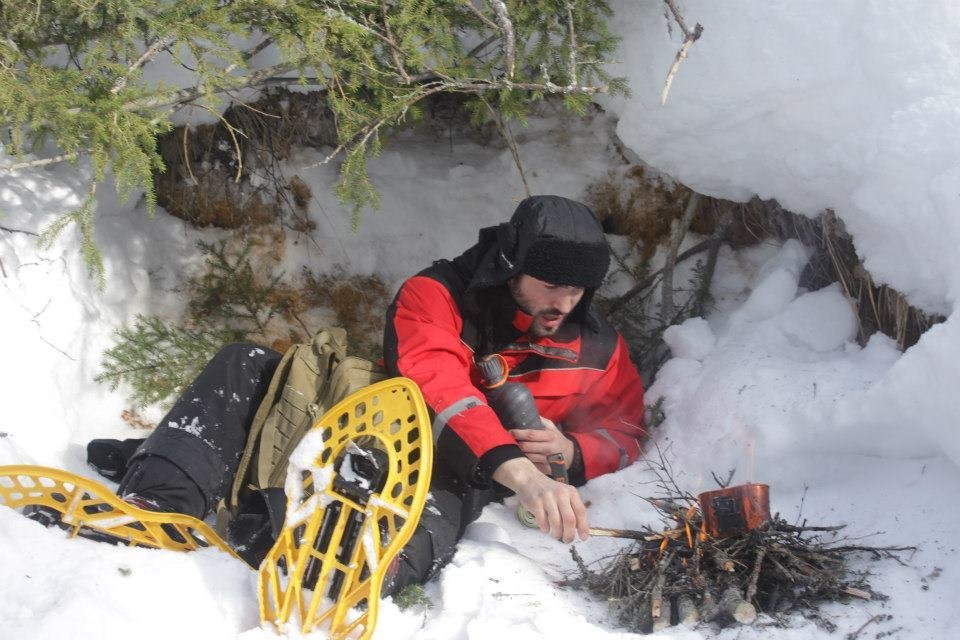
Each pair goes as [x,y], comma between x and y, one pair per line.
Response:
[744,613]
[687,612]
[733,604]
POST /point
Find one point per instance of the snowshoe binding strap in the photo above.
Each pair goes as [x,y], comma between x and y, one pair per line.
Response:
[86,508]
[356,486]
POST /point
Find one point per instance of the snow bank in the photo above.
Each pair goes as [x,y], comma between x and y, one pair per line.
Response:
[848,105]
[852,106]
[58,323]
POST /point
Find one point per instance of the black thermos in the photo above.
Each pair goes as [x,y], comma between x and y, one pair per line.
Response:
[514,404]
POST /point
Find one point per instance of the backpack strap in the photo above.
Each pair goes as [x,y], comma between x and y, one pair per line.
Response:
[328,347]
[259,418]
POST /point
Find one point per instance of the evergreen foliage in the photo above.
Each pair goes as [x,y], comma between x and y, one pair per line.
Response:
[158,360]
[233,292]
[232,301]
[71,71]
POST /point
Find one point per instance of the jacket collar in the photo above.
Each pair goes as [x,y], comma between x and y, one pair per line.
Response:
[563,345]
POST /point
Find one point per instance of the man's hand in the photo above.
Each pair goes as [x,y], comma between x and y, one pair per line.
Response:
[537,444]
[556,506]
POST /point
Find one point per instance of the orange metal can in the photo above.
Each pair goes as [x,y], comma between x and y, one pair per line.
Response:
[735,510]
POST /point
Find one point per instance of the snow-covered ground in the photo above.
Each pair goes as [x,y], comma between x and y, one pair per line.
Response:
[844,105]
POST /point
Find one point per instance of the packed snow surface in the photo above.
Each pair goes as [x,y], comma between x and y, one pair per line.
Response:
[844,105]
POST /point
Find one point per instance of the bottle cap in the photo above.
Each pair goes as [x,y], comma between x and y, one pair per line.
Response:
[494,369]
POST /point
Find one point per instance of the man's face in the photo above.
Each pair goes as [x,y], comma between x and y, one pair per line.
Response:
[548,303]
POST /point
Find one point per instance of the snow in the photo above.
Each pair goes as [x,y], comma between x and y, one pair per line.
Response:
[851,106]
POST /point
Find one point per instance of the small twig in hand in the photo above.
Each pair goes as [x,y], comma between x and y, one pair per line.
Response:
[622,533]
[689,38]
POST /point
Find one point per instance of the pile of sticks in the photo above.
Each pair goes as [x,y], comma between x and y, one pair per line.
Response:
[681,575]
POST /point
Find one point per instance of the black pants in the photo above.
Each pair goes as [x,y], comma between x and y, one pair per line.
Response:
[187,464]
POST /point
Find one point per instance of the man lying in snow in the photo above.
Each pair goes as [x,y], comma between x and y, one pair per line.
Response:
[524,291]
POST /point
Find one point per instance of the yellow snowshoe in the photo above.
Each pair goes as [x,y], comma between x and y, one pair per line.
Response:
[355,487]
[88,509]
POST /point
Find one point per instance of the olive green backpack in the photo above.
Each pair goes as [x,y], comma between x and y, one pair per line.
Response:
[309,380]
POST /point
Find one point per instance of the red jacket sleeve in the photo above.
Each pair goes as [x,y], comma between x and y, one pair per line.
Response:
[609,425]
[426,324]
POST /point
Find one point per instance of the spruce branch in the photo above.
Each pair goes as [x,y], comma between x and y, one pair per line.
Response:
[375,59]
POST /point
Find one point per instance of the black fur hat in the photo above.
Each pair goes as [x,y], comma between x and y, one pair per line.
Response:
[551,238]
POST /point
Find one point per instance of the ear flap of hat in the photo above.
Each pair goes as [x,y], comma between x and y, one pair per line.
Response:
[507,259]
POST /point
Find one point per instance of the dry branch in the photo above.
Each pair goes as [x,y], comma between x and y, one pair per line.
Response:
[509,39]
[689,37]
[676,237]
[667,575]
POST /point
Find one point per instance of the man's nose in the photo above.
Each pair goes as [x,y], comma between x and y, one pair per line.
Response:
[565,302]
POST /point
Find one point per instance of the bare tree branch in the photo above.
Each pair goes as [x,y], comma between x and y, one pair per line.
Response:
[689,37]
[248,54]
[159,45]
[483,45]
[188,94]
[573,47]
[677,233]
[11,230]
[42,162]
[509,39]
[392,43]
[504,129]
[651,279]
[479,14]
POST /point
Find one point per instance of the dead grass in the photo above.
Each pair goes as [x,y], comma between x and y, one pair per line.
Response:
[360,303]
[209,167]
[643,208]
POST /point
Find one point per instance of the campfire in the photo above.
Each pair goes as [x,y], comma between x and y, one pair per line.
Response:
[723,559]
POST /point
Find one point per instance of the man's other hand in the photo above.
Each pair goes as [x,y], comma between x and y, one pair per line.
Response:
[537,444]
[556,506]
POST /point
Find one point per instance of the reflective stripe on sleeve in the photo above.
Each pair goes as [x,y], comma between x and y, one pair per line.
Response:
[454,409]
[624,459]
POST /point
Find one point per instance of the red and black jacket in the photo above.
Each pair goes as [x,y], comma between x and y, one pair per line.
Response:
[582,378]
